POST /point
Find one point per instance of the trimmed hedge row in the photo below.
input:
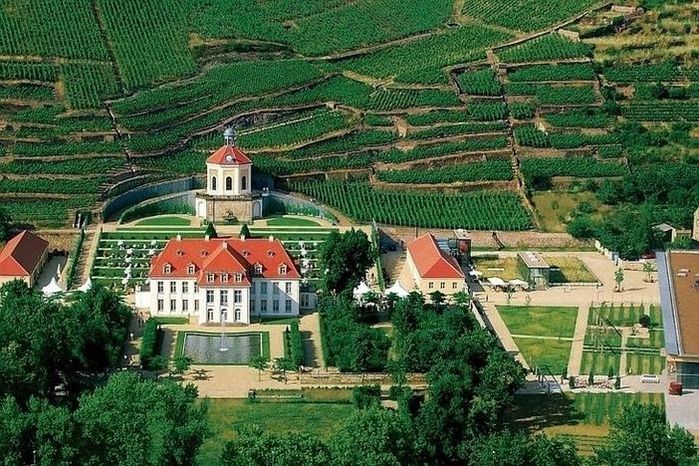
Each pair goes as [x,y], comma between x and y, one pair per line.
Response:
[150,343]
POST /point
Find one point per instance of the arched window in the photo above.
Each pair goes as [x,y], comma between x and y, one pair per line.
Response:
[229,183]
[213,183]
[244,183]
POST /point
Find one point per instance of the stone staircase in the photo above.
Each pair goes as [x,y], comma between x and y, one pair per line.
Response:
[82,271]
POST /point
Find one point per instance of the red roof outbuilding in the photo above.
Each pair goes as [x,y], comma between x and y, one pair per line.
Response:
[431,261]
[22,254]
[229,155]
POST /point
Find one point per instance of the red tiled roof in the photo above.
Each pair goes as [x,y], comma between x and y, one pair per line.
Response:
[229,155]
[221,256]
[22,254]
[431,261]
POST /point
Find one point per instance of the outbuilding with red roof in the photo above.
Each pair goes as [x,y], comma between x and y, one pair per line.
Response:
[428,268]
[23,257]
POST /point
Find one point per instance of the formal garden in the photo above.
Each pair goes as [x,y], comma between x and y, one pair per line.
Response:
[543,335]
[624,340]
[564,269]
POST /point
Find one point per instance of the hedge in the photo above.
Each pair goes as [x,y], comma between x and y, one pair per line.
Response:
[150,344]
[295,344]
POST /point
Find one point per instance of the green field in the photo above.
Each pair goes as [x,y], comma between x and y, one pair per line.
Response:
[553,354]
[539,320]
[164,221]
[227,415]
[291,222]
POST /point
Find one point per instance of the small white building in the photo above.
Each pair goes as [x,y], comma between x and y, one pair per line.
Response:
[223,280]
[229,195]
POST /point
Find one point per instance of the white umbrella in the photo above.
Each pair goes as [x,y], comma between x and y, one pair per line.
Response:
[397,290]
[360,291]
[52,288]
[120,242]
[495,281]
[87,286]
[518,282]
[124,281]
[153,242]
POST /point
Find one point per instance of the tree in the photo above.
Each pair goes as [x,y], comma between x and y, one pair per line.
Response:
[610,373]
[648,269]
[211,231]
[261,364]
[438,299]
[518,449]
[284,365]
[641,436]
[133,421]
[591,378]
[254,447]
[245,231]
[374,437]
[645,321]
[344,260]
[617,383]
[4,225]
[181,364]
[619,278]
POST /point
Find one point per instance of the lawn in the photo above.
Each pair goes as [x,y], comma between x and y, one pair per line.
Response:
[572,270]
[167,220]
[539,352]
[291,222]
[277,320]
[638,363]
[582,417]
[599,363]
[539,320]
[555,208]
[625,316]
[494,266]
[226,416]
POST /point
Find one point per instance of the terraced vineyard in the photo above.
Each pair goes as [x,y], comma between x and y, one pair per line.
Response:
[403,99]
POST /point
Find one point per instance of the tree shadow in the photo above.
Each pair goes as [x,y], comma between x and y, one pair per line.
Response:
[536,412]
[310,358]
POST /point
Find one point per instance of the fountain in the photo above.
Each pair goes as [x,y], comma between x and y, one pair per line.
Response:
[223,334]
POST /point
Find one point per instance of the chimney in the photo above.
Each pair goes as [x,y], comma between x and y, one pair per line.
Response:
[179,237]
[206,237]
[223,245]
[271,238]
[242,238]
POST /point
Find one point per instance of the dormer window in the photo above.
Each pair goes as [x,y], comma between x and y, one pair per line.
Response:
[283,269]
[224,278]
[270,253]
[258,268]
[210,277]
[167,268]
[191,269]
[238,277]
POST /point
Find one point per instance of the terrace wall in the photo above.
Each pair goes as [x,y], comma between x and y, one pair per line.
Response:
[149,191]
[285,203]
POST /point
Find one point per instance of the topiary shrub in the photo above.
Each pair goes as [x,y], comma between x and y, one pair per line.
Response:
[645,321]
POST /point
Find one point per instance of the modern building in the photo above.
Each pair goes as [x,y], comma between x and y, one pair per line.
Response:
[678,275]
[229,195]
[695,229]
[23,257]
[534,269]
[223,280]
[429,268]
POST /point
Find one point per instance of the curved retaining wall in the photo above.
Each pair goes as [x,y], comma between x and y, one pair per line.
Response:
[149,191]
[178,203]
[286,203]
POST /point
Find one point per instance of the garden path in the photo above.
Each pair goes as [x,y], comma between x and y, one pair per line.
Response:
[310,330]
[576,349]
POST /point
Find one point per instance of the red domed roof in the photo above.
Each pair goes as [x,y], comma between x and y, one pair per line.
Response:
[229,155]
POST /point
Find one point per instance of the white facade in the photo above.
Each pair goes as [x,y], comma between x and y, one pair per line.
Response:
[234,304]
[228,180]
